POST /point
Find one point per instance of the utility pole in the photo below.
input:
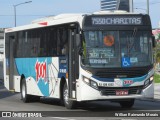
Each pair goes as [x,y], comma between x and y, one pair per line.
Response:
[131,7]
[148,7]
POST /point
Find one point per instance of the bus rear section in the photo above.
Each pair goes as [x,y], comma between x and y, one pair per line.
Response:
[40,61]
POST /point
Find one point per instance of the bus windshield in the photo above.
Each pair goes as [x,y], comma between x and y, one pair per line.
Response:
[117,49]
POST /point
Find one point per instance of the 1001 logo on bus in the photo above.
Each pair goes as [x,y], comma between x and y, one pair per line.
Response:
[40,69]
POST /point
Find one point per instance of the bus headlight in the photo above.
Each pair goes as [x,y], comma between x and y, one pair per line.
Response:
[148,82]
[151,79]
[91,83]
[86,80]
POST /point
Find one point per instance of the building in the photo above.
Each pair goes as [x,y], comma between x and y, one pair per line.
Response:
[1,40]
[109,4]
[126,5]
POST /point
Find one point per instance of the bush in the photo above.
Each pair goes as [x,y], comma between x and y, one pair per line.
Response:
[156,78]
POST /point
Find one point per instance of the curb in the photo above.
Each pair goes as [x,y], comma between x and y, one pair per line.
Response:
[147,99]
[151,100]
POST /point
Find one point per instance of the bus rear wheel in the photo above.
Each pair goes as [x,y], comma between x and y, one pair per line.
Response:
[127,103]
[25,97]
[69,104]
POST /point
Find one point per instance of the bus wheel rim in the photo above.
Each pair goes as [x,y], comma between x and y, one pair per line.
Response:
[23,91]
[66,96]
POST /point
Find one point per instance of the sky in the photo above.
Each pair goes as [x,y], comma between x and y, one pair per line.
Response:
[42,8]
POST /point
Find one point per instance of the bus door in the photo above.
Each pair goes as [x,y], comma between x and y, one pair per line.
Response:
[11,62]
[73,63]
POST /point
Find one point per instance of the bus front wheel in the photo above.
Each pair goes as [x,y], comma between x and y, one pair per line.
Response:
[127,103]
[69,104]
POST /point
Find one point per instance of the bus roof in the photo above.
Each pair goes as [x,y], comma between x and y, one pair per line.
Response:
[62,19]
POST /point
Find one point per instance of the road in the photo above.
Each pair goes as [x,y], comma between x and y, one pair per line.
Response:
[52,110]
[85,111]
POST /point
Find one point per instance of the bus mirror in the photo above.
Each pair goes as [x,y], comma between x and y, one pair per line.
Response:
[78,40]
[153,41]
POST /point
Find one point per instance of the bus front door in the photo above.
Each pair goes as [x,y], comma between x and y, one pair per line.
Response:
[73,64]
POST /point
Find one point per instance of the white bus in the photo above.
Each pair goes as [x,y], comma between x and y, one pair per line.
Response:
[82,57]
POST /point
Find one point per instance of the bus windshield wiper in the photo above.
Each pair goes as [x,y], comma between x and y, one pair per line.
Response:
[131,41]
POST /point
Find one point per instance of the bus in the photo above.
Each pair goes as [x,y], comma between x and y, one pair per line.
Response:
[82,57]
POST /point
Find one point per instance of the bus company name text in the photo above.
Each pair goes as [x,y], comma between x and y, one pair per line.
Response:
[117,21]
[128,82]
[40,69]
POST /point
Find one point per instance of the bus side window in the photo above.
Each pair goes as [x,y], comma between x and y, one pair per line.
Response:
[62,41]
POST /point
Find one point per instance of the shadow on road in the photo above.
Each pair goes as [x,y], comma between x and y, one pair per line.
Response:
[95,106]
[92,109]
[105,106]
[4,93]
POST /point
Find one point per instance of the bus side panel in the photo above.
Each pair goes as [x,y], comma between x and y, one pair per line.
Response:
[54,80]
[57,70]
[17,80]
[35,72]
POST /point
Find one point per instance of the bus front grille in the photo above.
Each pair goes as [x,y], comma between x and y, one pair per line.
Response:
[122,72]
[112,90]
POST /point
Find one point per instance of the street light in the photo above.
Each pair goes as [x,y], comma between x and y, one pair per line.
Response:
[15,9]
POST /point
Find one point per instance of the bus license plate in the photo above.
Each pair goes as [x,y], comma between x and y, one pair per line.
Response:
[121,92]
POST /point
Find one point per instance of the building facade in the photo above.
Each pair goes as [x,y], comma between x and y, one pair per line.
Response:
[109,4]
[1,40]
[126,5]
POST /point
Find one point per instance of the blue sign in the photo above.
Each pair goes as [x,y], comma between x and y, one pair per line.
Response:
[126,62]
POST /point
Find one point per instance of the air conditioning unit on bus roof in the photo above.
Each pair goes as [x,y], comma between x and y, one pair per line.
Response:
[49,18]
[111,12]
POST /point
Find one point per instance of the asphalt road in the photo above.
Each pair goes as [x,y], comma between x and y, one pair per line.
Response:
[51,109]
[85,111]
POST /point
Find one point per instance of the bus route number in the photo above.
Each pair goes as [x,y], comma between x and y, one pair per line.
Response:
[62,70]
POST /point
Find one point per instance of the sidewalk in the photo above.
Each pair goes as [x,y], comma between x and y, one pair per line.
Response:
[157,91]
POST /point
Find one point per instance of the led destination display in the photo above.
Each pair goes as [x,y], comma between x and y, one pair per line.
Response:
[116,20]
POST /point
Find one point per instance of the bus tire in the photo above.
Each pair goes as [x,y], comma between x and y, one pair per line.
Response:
[69,104]
[127,103]
[25,97]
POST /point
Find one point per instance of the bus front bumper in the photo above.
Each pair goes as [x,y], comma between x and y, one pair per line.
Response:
[87,93]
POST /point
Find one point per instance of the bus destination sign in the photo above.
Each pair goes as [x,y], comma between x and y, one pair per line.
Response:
[116,20]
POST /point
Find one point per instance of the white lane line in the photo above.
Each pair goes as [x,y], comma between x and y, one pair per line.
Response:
[62,118]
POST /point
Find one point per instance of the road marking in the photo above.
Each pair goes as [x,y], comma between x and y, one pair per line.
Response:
[62,118]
